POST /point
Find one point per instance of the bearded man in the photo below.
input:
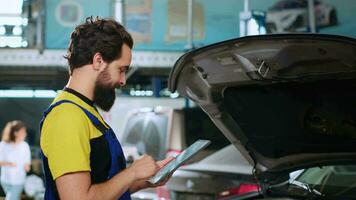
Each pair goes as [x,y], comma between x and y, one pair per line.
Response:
[81,155]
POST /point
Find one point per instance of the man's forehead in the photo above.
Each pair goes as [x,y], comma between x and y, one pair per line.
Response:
[126,54]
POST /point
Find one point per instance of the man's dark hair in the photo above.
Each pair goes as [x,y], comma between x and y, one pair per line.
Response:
[104,36]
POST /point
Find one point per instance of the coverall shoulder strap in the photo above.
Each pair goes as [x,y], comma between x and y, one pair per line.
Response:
[96,122]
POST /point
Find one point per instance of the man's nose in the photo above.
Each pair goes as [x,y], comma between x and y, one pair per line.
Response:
[122,80]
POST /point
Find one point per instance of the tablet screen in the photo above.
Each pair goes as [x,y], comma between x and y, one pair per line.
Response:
[179,160]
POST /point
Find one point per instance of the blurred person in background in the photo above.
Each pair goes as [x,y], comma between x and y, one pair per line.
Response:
[82,157]
[15,159]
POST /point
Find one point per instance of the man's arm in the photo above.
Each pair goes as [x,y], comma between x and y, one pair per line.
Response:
[78,185]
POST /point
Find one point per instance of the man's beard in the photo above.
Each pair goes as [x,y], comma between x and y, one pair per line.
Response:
[104,94]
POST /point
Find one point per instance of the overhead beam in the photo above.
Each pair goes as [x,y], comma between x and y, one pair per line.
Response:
[54,58]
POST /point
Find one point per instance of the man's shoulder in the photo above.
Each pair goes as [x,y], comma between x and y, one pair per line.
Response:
[62,123]
[71,103]
[66,110]
[63,114]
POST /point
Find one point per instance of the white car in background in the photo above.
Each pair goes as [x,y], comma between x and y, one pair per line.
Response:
[162,132]
[292,15]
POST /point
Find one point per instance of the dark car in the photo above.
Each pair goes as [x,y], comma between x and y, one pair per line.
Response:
[222,174]
[287,102]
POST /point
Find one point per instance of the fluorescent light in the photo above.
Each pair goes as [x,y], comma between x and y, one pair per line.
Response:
[149,93]
[174,95]
[11,7]
[44,94]
[24,21]
[11,41]
[24,43]
[17,30]
[27,94]
[2,43]
[15,21]
[16,93]
[2,30]
[141,92]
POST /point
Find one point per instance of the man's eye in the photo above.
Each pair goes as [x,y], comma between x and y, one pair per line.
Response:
[123,69]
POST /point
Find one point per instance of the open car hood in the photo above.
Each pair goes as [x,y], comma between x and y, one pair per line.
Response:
[226,160]
[285,101]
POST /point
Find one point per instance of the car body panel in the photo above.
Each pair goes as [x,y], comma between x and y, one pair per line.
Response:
[218,172]
[226,160]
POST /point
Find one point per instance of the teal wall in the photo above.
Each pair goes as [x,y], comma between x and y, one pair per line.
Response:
[218,21]
[57,34]
[346,12]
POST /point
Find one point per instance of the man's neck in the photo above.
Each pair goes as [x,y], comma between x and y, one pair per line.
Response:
[82,83]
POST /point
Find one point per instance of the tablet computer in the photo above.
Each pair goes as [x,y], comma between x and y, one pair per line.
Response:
[179,160]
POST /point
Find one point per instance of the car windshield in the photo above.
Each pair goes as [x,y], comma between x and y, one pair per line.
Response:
[330,181]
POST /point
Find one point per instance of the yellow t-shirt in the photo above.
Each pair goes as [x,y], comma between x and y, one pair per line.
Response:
[67,135]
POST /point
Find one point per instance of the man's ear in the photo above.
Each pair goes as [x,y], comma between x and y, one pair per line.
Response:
[97,61]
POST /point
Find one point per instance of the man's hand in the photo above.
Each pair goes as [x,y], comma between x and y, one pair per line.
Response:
[161,164]
[78,185]
[144,167]
[164,162]
[143,184]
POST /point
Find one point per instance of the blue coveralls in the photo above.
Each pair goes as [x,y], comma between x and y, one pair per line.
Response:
[118,162]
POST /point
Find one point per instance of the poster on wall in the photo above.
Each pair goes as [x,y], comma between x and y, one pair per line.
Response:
[177,25]
[138,20]
[162,25]
[69,13]
[64,15]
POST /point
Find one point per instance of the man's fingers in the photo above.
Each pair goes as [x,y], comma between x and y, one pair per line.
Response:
[164,162]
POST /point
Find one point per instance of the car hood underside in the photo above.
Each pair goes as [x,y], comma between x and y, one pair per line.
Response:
[285,101]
